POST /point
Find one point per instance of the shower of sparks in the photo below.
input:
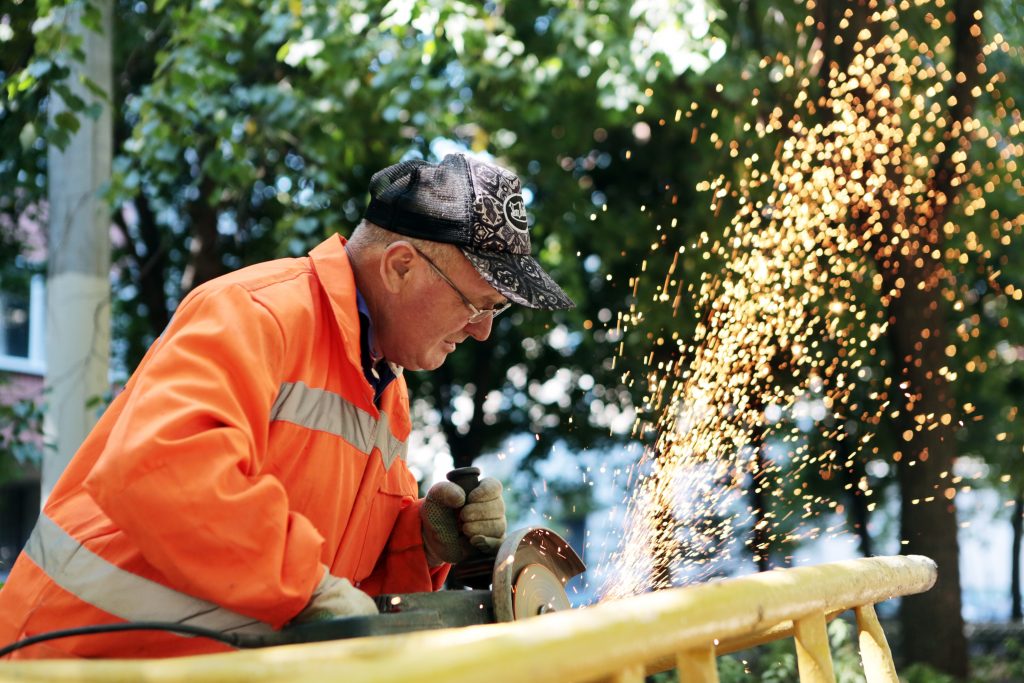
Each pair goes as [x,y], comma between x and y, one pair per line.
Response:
[810,260]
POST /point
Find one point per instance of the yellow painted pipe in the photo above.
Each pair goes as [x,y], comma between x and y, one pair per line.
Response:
[725,646]
[580,645]
[699,665]
[875,655]
[634,673]
[813,656]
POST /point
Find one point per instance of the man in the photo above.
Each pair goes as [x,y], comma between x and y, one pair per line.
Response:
[253,470]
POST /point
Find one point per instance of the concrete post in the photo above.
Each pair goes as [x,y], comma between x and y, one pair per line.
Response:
[78,289]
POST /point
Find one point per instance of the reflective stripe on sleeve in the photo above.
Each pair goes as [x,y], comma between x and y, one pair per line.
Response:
[127,596]
[327,411]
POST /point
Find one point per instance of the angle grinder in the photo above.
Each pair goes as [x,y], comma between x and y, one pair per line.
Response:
[525,578]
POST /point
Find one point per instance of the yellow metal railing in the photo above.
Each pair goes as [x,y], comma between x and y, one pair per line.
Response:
[618,641]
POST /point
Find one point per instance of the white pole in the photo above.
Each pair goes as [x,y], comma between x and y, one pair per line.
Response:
[78,288]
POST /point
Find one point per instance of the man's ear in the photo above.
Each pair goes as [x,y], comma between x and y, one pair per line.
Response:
[396,264]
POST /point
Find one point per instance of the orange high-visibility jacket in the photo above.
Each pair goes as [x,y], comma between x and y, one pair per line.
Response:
[244,457]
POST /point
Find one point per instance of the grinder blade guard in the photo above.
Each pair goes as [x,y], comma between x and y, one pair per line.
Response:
[530,572]
[527,577]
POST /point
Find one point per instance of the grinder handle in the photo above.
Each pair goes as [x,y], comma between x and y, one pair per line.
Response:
[468,478]
[477,569]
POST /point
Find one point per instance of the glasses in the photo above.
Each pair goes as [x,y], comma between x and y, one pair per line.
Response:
[477,314]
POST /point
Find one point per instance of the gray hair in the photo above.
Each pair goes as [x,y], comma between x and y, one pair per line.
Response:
[370,236]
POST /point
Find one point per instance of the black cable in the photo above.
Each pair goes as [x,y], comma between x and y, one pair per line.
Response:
[236,640]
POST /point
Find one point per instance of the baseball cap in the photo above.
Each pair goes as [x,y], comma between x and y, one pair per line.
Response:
[478,207]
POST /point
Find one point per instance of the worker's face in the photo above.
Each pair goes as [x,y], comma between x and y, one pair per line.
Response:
[429,319]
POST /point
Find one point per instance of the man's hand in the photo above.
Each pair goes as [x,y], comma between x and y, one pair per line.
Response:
[336,597]
[483,517]
[453,523]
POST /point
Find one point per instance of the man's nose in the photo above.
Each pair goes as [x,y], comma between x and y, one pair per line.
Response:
[481,330]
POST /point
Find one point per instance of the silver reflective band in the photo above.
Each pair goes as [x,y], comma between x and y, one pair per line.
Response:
[127,596]
[328,412]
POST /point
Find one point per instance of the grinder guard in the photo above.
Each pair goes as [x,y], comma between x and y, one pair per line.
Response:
[525,548]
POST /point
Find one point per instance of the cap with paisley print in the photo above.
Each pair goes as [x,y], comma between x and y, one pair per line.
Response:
[475,205]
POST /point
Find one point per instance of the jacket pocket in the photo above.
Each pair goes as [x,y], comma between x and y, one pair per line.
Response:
[397,491]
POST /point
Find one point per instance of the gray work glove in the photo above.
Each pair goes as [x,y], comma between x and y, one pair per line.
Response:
[453,523]
[336,597]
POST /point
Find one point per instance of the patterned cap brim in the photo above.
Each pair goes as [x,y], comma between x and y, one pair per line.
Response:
[520,278]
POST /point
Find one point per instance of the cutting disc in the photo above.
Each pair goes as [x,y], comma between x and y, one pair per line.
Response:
[521,558]
[537,591]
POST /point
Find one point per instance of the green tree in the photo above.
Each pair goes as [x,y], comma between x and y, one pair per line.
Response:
[915,279]
[250,132]
[247,131]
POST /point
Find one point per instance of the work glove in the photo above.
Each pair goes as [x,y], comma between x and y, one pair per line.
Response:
[336,597]
[454,523]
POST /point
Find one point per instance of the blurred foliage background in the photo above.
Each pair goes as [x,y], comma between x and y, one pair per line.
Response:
[245,131]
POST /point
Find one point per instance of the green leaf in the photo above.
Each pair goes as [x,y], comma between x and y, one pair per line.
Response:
[92,18]
[28,135]
[67,121]
[59,137]
[93,111]
[71,100]
[282,52]
[23,82]
[95,88]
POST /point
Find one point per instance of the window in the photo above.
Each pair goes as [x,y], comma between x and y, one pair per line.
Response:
[22,323]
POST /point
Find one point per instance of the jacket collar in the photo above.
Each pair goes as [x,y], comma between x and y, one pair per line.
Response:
[334,271]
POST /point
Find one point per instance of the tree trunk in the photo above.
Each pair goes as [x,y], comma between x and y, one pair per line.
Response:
[1016,525]
[859,515]
[932,624]
[465,447]
[204,261]
[150,264]
[759,542]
